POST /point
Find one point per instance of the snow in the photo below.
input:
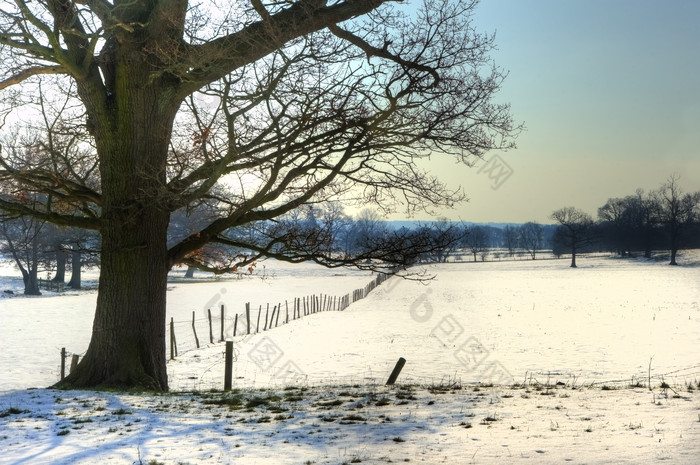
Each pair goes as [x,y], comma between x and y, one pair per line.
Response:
[507,362]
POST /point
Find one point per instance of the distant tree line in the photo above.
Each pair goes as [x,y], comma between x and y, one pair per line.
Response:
[664,219]
[667,219]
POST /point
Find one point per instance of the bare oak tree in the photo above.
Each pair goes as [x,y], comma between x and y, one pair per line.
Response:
[677,212]
[531,237]
[150,107]
[575,230]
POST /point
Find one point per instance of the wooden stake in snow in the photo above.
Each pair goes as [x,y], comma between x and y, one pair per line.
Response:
[173,343]
[247,315]
[194,330]
[228,369]
[397,369]
[211,330]
[222,324]
[63,362]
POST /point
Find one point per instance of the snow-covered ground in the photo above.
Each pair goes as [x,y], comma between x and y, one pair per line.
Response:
[311,391]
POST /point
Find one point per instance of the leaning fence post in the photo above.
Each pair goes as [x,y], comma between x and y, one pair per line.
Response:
[63,362]
[194,330]
[211,330]
[228,369]
[395,373]
[173,344]
[235,325]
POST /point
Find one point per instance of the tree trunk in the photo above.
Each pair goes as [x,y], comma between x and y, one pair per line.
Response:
[190,272]
[61,258]
[31,282]
[132,136]
[573,256]
[674,251]
[76,269]
[31,275]
[127,349]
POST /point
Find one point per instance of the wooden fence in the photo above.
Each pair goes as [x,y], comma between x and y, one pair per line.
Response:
[217,326]
[47,284]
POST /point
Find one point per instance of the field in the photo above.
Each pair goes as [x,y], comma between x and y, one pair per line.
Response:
[507,362]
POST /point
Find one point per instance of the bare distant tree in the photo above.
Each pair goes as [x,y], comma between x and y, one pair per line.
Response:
[531,237]
[476,240]
[630,223]
[358,235]
[677,212]
[447,236]
[25,243]
[510,239]
[575,230]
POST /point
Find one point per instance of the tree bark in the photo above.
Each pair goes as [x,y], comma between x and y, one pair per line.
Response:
[128,340]
[31,281]
[76,270]
[61,258]
[31,276]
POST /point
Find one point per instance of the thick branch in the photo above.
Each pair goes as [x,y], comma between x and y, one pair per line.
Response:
[20,209]
[261,38]
[30,72]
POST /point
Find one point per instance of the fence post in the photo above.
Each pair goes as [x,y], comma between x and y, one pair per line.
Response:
[395,373]
[279,308]
[63,362]
[194,330]
[247,315]
[222,323]
[211,330]
[235,325]
[257,328]
[228,369]
[173,344]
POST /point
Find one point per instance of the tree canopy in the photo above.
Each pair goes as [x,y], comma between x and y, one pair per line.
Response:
[121,112]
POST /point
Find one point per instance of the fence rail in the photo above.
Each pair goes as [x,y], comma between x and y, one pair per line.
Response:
[49,285]
[220,325]
[186,334]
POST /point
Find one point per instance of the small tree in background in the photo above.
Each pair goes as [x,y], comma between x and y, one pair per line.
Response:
[676,212]
[23,240]
[575,230]
[510,239]
[476,240]
[531,237]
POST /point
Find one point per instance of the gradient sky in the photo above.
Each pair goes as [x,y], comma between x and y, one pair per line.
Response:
[609,91]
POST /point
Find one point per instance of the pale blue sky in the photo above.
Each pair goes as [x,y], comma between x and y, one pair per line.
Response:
[609,91]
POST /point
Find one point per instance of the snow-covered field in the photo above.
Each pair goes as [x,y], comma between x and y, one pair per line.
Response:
[570,352]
